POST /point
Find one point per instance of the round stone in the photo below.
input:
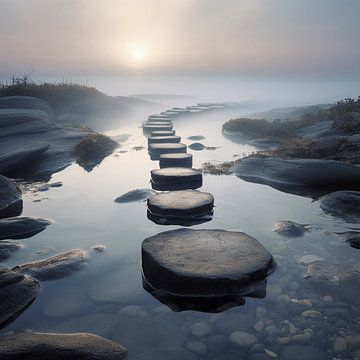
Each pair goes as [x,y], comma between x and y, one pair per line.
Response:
[176,160]
[163,133]
[164,139]
[176,178]
[197,146]
[242,339]
[183,204]
[204,262]
[156,150]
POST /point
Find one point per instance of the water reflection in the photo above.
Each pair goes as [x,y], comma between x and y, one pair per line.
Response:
[181,221]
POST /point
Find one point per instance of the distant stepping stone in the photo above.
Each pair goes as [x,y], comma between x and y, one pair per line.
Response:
[159,116]
[181,204]
[176,178]
[136,195]
[163,127]
[163,133]
[176,160]
[156,150]
[164,139]
[196,137]
[159,123]
[204,262]
[197,146]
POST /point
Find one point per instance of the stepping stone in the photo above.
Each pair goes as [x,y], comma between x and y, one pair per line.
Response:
[163,133]
[156,150]
[181,204]
[204,262]
[159,123]
[176,160]
[158,116]
[160,120]
[150,128]
[176,178]
[21,227]
[164,139]
[197,146]
[180,221]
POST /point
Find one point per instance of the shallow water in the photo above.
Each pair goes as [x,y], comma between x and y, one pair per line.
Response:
[96,298]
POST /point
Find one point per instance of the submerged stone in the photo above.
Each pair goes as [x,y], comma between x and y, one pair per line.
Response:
[343,204]
[55,267]
[7,248]
[136,195]
[10,198]
[16,293]
[21,227]
[164,139]
[197,146]
[290,229]
[156,150]
[176,160]
[44,346]
[204,262]
[176,178]
[163,133]
[196,137]
[181,204]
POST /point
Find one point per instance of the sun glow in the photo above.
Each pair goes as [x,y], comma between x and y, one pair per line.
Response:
[137,53]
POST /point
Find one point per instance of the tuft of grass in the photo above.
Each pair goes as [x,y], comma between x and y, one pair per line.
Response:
[225,168]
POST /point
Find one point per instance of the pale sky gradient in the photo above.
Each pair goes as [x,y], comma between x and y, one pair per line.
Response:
[180,36]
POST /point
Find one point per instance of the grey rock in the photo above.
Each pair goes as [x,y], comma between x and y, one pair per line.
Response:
[315,130]
[164,139]
[155,150]
[163,133]
[196,137]
[301,352]
[242,339]
[16,293]
[290,229]
[21,227]
[10,198]
[309,259]
[342,204]
[176,160]
[306,177]
[265,144]
[136,195]
[44,346]
[197,146]
[7,248]
[55,267]
[196,347]
[206,262]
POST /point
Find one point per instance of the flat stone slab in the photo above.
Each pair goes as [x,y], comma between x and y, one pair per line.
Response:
[136,195]
[10,198]
[342,204]
[16,293]
[176,160]
[204,262]
[182,204]
[21,227]
[150,128]
[164,139]
[44,346]
[156,150]
[161,123]
[306,177]
[55,267]
[163,133]
[175,176]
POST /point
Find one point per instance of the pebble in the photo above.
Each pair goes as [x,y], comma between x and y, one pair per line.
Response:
[310,314]
[283,299]
[200,329]
[261,311]
[301,338]
[259,326]
[305,302]
[327,298]
[271,353]
[353,341]
[242,339]
[283,340]
[293,285]
[98,248]
[257,348]
[308,259]
[339,345]
[196,347]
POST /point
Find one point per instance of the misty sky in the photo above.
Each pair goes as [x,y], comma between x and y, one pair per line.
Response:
[180,36]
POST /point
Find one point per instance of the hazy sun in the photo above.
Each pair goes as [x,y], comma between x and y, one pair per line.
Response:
[137,53]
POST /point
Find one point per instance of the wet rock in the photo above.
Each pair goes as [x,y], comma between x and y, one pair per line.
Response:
[352,238]
[306,177]
[265,144]
[155,150]
[301,352]
[309,259]
[197,146]
[16,293]
[181,221]
[196,137]
[21,227]
[177,178]
[44,346]
[301,338]
[342,204]
[182,257]
[290,229]
[163,133]
[242,339]
[55,267]
[176,160]
[200,329]
[181,204]
[10,198]
[164,139]
[196,347]
[135,196]
[339,345]
[7,248]
[98,248]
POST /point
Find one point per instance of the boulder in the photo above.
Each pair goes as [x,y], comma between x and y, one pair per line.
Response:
[290,229]
[155,150]
[21,227]
[306,177]
[163,133]
[44,346]
[55,267]
[16,293]
[204,262]
[164,139]
[7,248]
[342,204]
[176,178]
[176,160]
[10,198]
[181,204]
[136,195]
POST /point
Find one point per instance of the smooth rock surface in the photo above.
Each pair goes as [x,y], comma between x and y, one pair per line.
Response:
[342,204]
[150,128]
[156,150]
[176,160]
[136,195]
[21,227]
[163,133]
[197,146]
[45,346]
[204,262]
[307,177]
[182,204]
[10,198]
[242,339]
[16,293]
[55,267]
[164,139]
[290,229]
